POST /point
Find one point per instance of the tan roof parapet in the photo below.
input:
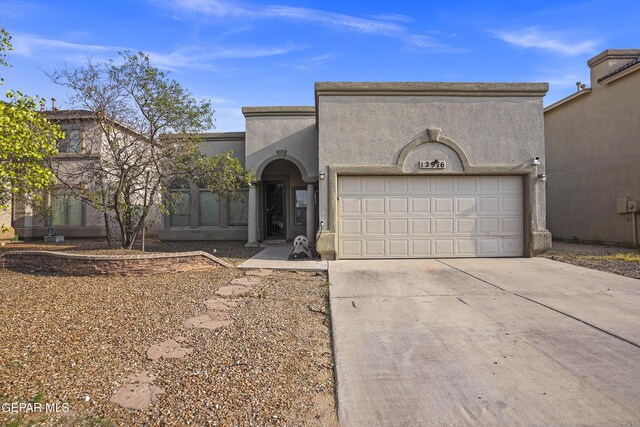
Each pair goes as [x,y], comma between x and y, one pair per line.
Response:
[222,136]
[279,111]
[613,54]
[430,89]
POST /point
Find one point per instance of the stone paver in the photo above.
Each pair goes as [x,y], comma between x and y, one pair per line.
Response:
[262,272]
[137,392]
[169,349]
[206,322]
[221,304]
[246,281]
[233,291]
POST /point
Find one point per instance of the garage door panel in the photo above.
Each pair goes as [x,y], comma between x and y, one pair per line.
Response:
[443,205]
[351,205]
[421,184]
[420,248]
[351,248]
[374,205]
[443,185]
[443,226]
[488,247]
[511,226]
[466,247]
[489,225]
[351,226]
[465,205]
[398,226]
[443,247]
[374,248]
[430,216]
[420,205]
[511,185]
[511,247]
[374,226]
[398,248]
[465,226]
[420,226]
[465,185]
[398,205]
[398,185]
[488,205]
[511,204]
[350,185]
[374,185]
[488,184]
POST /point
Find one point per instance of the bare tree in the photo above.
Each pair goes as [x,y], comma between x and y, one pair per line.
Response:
[144,139]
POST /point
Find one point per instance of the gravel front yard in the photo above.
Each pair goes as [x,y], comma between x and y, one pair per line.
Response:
[612,259]
[74,339]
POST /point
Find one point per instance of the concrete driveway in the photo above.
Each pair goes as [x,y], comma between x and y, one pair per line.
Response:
[484,342]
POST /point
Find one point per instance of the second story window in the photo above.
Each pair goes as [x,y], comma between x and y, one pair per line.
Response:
[71,143]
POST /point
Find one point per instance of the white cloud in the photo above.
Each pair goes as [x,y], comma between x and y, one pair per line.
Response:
[29,44]
[204,59]
[388,25]
[533,37]
[201,58]
[309,64]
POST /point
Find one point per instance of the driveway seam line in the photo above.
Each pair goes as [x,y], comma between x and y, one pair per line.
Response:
[614,335]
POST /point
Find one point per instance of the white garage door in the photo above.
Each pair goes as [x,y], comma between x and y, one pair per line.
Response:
[430,216]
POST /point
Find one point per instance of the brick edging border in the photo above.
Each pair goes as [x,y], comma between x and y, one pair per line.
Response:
[73,264]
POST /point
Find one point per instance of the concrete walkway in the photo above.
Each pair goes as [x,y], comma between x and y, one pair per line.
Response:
[484,342]
[276,257]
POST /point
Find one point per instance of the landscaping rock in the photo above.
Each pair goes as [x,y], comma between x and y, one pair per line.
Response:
[169,349]
[233,291]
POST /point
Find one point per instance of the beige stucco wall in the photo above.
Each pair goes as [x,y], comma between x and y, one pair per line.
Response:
[212,144]
[593,152]
[218,143]
[293,129]
[496,130]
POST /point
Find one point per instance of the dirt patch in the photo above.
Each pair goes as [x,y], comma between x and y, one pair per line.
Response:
[76,340]
[612,259]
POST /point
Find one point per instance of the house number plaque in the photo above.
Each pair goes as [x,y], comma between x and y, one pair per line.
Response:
[432,164]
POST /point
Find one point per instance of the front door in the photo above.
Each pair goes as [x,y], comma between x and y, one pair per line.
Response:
[274,212]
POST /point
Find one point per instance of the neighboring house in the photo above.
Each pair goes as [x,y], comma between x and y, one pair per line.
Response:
[70,216]
[593,151]
[386,170]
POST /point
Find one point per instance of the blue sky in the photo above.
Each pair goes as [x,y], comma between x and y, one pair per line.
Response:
[239,53]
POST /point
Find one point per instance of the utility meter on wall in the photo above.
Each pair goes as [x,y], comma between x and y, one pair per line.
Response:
[632,206]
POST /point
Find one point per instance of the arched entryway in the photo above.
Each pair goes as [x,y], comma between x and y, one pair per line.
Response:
[285,204]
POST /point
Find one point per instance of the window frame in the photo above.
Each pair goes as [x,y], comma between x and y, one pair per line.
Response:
[295,208]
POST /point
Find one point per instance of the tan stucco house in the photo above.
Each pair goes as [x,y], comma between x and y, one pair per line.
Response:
[593,151]
[70,216]
[386,170]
